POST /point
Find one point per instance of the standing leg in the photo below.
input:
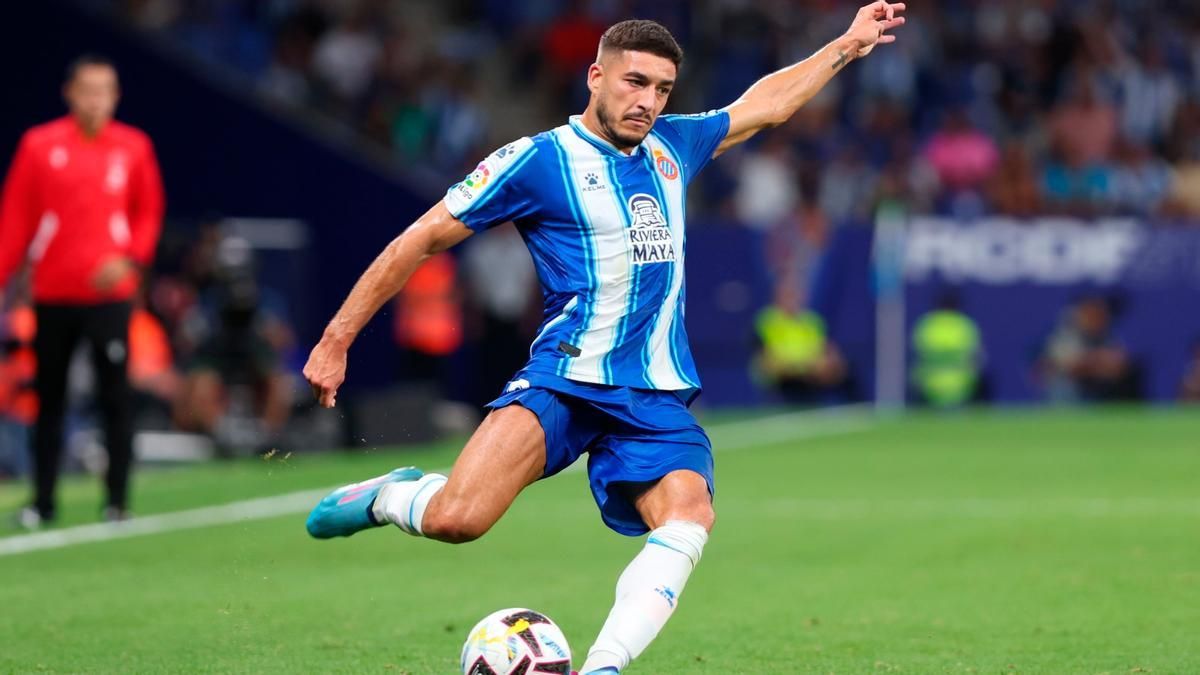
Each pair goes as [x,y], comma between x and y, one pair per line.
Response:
[678,510]
[57,335]
[108,333]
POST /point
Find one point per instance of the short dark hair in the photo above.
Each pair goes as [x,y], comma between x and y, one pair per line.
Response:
[641,35]
[85,60]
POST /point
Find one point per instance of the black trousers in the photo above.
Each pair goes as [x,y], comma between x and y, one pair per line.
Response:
[60,328]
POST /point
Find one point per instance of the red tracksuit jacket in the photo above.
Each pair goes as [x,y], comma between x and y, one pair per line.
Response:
[71,203]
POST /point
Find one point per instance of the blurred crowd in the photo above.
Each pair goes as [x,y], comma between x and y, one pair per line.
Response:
[1022,108]
[1016,108]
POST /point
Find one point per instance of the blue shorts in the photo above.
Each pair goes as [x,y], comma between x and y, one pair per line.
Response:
[631,436]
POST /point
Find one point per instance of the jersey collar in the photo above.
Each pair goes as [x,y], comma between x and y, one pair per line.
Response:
[576,122]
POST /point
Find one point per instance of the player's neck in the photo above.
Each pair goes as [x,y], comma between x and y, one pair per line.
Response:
[591,122]
[90,131]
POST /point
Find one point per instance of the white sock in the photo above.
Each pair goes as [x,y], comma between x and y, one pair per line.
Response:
[647,593]
[403,503]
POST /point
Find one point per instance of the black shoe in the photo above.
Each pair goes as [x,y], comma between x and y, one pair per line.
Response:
[115,514]
[31,519]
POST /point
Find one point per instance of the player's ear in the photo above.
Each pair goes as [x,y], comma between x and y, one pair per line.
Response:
[595,74]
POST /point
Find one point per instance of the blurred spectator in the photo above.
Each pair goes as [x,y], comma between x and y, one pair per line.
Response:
[428,322]
[795,356]
[568,48]
[152,374]
[848,184]
[459,122]
[18,367]
[1084,361]
[1150,95]
[344,59]
[84,201]
[235,388]
[963,156]
[503,287]
[1184,195]
[1083,127]
[287,75]
[767,189]
[1189,386]
[947,355]
[1140,180]
[1013,190]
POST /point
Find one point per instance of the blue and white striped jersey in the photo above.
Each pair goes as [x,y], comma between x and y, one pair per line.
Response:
[606,232]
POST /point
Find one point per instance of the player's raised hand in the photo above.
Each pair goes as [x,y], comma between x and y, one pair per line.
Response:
[325,371]
[872,23]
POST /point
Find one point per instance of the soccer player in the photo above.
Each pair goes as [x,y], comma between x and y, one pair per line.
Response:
[600,204]
[83,202]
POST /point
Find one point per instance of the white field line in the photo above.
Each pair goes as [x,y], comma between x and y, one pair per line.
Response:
[726,436]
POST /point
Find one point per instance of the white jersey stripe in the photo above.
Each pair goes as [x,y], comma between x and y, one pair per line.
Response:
[621,198]
[607,228]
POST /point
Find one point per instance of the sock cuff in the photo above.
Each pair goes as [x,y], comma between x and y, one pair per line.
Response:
[403,503]
[428,486]
[682,536]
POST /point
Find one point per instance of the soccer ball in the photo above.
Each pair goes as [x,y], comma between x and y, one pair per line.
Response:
[516,642]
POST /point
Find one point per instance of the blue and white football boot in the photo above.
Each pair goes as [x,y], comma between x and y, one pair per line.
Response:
[347,509]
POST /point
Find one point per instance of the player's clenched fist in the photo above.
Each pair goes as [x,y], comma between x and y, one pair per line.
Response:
[325,371]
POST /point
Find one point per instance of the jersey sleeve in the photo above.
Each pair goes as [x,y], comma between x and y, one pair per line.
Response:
[146,205]
[695,137]
[498,190]
[19,210]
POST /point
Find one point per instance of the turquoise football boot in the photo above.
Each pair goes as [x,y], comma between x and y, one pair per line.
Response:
[347,509]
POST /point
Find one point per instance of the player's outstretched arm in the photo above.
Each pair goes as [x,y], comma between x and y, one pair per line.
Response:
[776,97]
[433,233]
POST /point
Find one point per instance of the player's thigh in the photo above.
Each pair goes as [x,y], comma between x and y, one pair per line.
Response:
[505,454]
[680,495]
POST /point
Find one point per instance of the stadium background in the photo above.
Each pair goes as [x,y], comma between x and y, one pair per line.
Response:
[351,117]
[1023,156]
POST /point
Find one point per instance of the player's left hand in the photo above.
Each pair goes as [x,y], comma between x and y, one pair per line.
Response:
[111,273]
[325,371]
[871,24]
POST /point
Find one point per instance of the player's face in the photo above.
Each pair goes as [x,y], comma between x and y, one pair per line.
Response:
[629,90]
[92,96]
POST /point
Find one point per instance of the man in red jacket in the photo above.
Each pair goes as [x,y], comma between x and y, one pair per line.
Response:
[83,203]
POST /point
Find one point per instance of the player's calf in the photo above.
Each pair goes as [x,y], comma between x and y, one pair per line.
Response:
[458,517]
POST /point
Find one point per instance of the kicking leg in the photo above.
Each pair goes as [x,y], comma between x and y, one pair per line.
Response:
[679,511]
[506,453]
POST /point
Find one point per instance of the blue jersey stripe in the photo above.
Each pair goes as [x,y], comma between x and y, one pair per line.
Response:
[588,250]
[671,272]
[677,333]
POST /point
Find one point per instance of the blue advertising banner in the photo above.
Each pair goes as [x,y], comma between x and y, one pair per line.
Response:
[1015,279]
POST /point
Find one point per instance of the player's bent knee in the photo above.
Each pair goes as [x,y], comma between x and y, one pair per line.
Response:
[453,526]
[703,515]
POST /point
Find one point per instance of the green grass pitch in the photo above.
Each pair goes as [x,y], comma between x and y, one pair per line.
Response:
[982,542]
